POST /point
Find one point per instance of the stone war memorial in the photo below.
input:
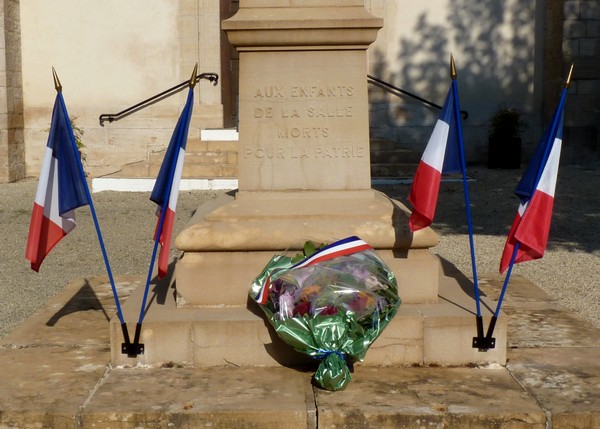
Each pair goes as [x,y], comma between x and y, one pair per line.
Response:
[304,174]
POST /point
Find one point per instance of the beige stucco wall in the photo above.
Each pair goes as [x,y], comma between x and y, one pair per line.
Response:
[497,49]
[121,47]
[109,55]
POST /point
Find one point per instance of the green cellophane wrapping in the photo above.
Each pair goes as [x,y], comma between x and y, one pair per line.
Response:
[332,310]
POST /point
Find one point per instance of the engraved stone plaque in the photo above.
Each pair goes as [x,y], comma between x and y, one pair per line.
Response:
[304,121]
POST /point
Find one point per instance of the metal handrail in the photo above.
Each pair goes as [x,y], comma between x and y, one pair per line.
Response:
[389,87]
[110,117]
[214,78]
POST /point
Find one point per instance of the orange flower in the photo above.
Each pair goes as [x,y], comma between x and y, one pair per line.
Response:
[308,292]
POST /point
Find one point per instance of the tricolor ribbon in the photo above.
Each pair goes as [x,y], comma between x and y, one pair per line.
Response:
[345,247]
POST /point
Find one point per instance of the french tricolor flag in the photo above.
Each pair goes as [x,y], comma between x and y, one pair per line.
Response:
[166,188]
[442,155]
[344,247]
[531,225]
[61,189]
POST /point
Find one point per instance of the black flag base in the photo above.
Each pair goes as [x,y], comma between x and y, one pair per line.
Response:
[488,342]
[484,343]
[132,350]
[129,349]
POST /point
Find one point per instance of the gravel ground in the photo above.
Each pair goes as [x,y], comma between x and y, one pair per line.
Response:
[569,271]
[127,221]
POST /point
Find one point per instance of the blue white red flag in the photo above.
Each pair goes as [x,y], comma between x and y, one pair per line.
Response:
[531,225]
[61,189]
[166,188]
[345,247]
[442,155]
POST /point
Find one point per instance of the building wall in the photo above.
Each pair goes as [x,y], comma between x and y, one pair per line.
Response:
[497,49]
[110,55]
[513,53]
[579,23]
[12,146]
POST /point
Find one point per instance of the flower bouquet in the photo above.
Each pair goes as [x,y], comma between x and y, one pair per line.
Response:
[331,303]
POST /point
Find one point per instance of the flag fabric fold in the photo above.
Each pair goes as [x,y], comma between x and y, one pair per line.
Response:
[166,188]
[61,189]
[531,226]
[442,155]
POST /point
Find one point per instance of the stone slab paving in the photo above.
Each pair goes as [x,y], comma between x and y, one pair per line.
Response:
[188,398]
[56,373]
[564,381]
[430,397]
[47,387]
[535,320]
[77,316]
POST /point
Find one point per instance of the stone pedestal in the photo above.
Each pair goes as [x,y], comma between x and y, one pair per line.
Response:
[234,238]
[304,174]
[304,168]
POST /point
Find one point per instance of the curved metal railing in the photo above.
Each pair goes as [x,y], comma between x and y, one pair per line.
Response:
[397,91]
[214,78]
[110,117]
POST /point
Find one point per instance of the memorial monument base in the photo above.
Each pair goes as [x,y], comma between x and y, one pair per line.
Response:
[229,242]
[421,334]
[205,317]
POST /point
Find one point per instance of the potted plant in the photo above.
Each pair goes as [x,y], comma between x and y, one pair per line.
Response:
[504,138]
[78,134]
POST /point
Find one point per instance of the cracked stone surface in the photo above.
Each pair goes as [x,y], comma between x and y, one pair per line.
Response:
[566,381]
[56,373]
[429,397]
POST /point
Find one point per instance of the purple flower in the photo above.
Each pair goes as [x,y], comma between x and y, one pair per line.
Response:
[286,305]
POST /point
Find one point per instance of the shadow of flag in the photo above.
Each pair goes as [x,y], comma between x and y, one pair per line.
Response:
[84,300]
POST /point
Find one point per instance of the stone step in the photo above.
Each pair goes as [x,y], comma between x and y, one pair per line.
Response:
[551,377]
[394,156]
[381,144]
[417,265]
[219,159]
[219,134]
[210,171]
[411,266]
[380,147]
[198,158]
[393,169]
[190,170]
[421,334]
[197,145]
[134,169]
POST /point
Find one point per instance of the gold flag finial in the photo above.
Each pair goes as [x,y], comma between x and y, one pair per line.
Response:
[568,81]
[452,67]
[57,84]
[194,75]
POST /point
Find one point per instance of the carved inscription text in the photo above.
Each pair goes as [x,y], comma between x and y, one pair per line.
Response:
[304,118]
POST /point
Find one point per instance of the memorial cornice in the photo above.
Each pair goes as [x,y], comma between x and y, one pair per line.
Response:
[302,28]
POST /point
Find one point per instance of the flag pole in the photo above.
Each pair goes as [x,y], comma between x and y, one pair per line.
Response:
[136,347]
[553,127]
[58,87]
[479,320]
[488,337]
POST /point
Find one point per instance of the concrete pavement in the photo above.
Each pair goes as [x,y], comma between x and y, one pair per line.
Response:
[56,373]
